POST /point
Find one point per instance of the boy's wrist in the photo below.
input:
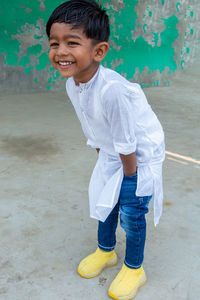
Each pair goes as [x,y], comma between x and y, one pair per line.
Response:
[130,173]
[129,164]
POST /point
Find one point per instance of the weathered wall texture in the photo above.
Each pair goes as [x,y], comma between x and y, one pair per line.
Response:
[150,40]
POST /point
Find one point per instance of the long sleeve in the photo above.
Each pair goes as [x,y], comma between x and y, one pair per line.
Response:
[120,116]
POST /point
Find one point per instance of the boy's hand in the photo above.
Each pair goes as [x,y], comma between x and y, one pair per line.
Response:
[129,163]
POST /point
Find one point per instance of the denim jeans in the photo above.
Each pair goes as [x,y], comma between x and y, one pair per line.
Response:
[132,219]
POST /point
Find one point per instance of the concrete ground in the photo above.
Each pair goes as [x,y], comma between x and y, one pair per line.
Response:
[45,227]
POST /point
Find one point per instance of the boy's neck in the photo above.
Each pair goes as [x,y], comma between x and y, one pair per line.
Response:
[88,77]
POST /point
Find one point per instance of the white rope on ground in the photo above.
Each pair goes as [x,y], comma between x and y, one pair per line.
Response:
[187,158]
[178,161]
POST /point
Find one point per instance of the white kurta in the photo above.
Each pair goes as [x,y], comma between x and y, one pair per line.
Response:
[116,117]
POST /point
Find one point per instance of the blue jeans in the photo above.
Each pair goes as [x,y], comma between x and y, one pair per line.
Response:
[132,219]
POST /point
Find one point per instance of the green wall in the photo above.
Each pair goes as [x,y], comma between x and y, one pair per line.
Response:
[150,40]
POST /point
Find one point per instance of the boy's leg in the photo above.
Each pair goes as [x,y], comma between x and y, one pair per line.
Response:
[104,256]
[133,221]
[107,231]
[132,218]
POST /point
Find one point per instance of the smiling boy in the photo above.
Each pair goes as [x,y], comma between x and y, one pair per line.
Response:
[118,121]
[83,57]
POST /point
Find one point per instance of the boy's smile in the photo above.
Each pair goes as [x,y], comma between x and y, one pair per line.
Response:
[72,53]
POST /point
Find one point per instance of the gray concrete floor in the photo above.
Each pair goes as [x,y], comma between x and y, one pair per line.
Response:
[45,227]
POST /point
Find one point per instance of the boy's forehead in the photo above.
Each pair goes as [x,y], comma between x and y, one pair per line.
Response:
[61,29]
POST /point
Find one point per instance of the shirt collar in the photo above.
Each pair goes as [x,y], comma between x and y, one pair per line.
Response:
[86,85]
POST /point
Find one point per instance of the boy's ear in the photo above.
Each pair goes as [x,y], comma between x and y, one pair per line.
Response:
[100,51]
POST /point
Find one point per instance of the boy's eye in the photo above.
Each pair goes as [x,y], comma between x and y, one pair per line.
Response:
[72,43]
[54,44]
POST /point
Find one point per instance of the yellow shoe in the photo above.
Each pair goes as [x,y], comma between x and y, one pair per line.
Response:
[127,283]
[93,265]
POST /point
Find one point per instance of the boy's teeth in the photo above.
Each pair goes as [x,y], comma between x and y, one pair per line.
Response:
[62,63]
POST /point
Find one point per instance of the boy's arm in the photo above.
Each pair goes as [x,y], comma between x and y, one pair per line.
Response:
[129,163]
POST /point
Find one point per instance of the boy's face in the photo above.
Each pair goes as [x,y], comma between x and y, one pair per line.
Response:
[72,53]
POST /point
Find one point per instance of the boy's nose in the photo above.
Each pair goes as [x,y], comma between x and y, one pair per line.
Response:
[62,50]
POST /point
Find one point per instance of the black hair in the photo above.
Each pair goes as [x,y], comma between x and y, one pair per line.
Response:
[86,14]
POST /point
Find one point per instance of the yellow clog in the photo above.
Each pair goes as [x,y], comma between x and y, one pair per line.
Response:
[127,283]
[93,265]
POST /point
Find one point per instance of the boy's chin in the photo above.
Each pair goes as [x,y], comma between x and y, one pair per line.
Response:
[64,74]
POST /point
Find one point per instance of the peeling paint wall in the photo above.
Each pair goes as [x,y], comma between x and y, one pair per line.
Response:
[149,41]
